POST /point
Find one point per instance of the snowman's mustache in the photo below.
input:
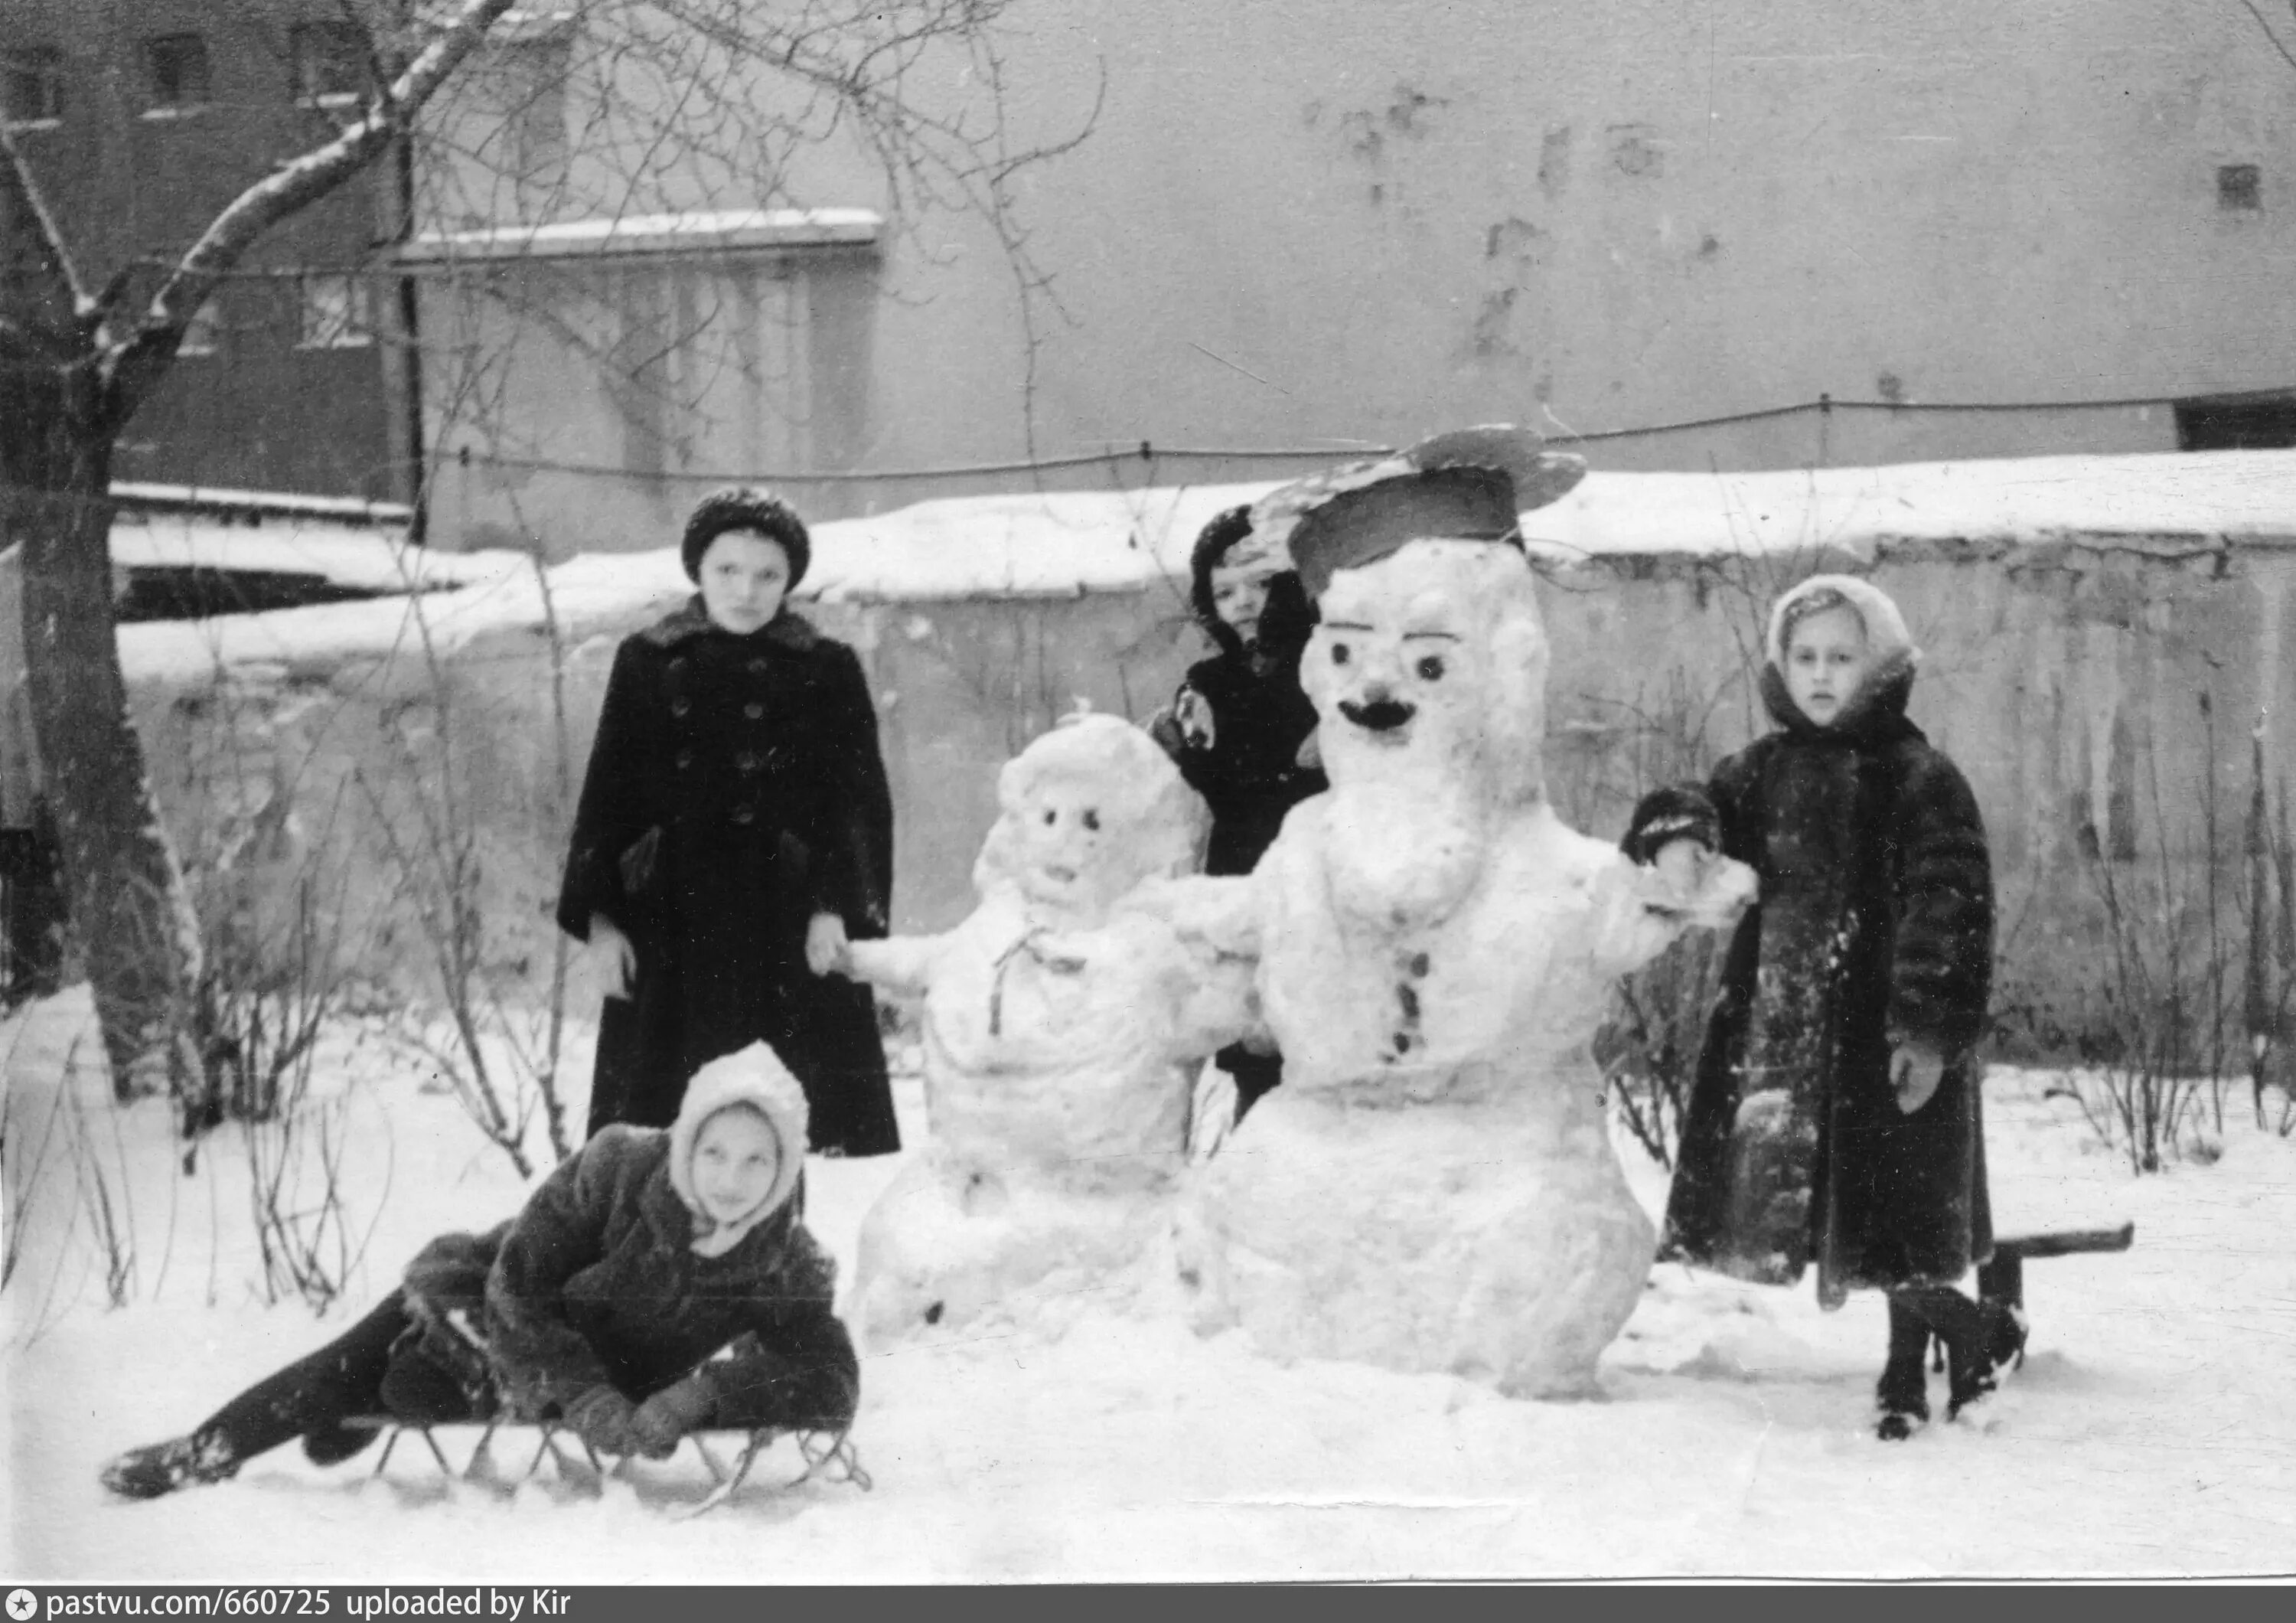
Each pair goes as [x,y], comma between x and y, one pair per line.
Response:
[1379,715]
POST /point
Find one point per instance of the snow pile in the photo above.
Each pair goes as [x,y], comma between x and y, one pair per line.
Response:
[2149,1432]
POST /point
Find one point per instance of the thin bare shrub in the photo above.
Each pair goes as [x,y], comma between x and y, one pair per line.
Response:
[2161,1037]
[498,1056]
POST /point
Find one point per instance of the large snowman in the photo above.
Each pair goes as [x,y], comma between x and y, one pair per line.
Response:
[1432,1188]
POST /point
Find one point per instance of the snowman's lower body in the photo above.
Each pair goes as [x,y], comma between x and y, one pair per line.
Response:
[956,1250]
[1484,1241]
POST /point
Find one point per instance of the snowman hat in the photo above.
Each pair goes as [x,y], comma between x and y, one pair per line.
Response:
[1471,485]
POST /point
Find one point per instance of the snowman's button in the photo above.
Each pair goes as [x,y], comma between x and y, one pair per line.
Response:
[1418,965]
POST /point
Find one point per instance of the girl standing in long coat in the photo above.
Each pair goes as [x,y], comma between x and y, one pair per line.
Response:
[1836,1117]
[734,829]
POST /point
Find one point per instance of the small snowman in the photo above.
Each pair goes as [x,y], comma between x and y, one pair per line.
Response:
[1061,1040]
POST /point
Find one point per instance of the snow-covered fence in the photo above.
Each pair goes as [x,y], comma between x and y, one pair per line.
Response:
[2071,611]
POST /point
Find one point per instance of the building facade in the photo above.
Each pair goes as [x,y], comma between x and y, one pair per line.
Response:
[142,120]
[1681,233]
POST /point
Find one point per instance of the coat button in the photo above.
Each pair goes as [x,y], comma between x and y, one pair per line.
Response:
[745,814]
[757,666]
[746,761]
[679,706]
[754,711]
[685,759]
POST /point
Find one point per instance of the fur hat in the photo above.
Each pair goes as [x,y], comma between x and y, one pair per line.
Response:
[746,506]
[1468,485]
[753,1078]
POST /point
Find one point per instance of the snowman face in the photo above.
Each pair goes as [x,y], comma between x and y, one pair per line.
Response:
[1066,847]
[1398,665]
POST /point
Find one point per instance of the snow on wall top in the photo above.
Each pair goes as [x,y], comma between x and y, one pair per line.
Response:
[1068,543]
[2233,499]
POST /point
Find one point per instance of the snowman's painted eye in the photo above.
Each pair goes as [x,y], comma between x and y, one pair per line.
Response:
[1051,817]
[1340,654]
[1430,668]
[1092,821]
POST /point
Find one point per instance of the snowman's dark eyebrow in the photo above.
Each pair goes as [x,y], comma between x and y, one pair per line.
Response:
[1344,625]
[1441,636]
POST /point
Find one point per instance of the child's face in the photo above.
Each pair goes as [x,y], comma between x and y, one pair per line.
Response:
[1826,658]
[1238,597]
[744,577]
[737,1159]
[1064,846]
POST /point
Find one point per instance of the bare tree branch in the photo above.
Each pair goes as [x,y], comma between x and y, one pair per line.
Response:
[146,357]
[2285,54]
[54,248]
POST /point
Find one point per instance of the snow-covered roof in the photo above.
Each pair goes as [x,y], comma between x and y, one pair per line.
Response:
[719,230]
[140,495]
[363,558]
[1068,543]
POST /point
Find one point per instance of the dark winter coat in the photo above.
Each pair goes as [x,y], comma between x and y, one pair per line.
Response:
[1250,775]
[595,1281]
[734,790]
[1875,928]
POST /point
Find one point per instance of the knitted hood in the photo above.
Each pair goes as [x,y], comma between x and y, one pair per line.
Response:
[1883,695]
[756,1077]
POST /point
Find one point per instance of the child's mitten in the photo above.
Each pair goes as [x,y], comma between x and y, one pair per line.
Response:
[1679,813]
[666,1417]
[601,1417]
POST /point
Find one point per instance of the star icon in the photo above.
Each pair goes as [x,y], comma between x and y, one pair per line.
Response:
[23,1604]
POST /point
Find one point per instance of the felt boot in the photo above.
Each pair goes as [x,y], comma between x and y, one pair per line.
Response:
[183,1462]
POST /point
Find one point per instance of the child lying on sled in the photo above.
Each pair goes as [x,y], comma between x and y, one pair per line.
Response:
[658,1282]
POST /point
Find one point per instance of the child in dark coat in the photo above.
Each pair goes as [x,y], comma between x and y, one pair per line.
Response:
[735,827]
[1836,1115]
[657,1283]
[1239,726]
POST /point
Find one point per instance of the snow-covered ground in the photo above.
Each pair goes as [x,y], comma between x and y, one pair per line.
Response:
[2150,1432]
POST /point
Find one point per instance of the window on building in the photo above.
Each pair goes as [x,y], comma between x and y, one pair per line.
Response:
[178,64]
[2237,422]
[330,64]
[335,313]
[32,86]
[203,333]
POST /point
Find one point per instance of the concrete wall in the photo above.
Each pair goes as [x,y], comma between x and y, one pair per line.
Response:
[2066,682]
[1302,223]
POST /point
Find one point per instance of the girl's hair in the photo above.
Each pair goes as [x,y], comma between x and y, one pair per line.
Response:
[1808,606]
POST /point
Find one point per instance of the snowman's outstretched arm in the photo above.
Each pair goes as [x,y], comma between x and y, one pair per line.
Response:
[1219,918]
[1640,910]
[903,965]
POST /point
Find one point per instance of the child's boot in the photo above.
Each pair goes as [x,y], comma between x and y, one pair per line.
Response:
[2001,1300]
[183,1462]
[1902,1394]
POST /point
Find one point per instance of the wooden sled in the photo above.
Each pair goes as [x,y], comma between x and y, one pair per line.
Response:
[831,1455]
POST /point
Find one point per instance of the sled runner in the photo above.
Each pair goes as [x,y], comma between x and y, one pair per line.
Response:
[2009,1254]
[830,1454]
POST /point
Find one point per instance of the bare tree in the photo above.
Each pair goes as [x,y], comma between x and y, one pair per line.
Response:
[666,104]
